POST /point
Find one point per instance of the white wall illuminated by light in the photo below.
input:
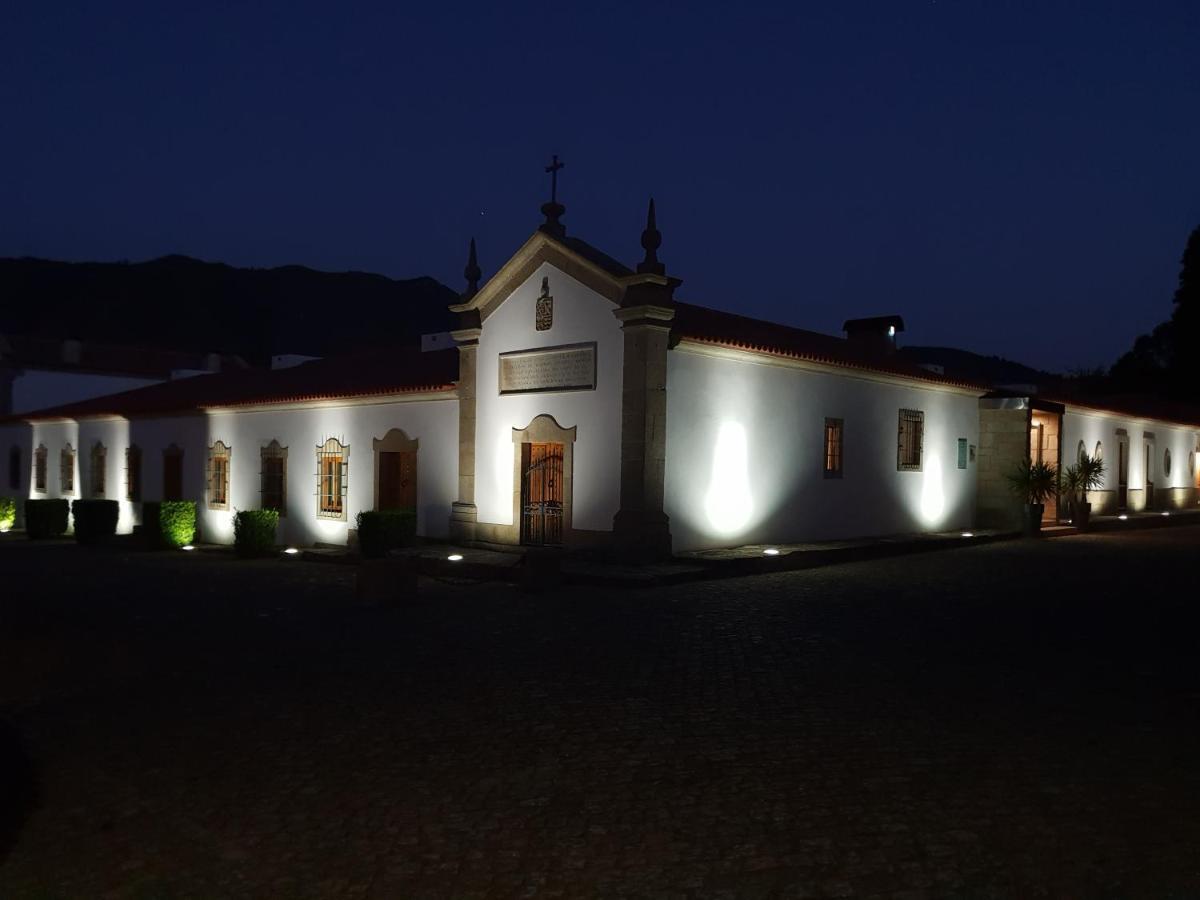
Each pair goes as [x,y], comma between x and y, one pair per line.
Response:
[580,315]
[745,445]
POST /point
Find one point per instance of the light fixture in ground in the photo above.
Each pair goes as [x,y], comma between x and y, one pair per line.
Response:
[187,547]
[291,551]
[968,534]
[455,557]
[1122,517]
[771,551]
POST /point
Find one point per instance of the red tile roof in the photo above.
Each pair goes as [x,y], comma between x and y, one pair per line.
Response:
[363,375]
[712,326]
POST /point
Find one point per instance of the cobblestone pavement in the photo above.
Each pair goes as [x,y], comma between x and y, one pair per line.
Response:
[1011,720]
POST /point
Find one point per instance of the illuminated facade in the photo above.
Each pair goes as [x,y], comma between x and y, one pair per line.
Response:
[584,404]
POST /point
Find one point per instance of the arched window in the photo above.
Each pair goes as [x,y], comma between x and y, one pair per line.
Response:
[133,473]
[217,477]
[1081,452]
[99,462]
[39,469]
[66,470]
[1099,454]
[273,477]
[333,464]
[1167,463]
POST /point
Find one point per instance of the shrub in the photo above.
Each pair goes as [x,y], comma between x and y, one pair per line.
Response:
[8,513]
[46,518]
[170,523]
[254,532]
[95,520]
[381,531]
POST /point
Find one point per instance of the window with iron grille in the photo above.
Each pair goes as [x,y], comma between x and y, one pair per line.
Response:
[133,473]
[39,469]
[273,478]
[912,436]
[99,473]
[66,470]
[332,465]
[962,453]
[833,448]
[217,476]
[14,469]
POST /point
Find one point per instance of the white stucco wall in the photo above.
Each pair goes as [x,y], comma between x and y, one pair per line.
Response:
[580,315]
[41,389]
[1094,427]
[745,445]
[433,423]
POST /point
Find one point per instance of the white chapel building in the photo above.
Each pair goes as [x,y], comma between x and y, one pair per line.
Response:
[585,404]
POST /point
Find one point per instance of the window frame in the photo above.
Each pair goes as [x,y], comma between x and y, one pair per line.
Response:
[66,470]
[273,452]
[97,472]
[41,466]
[833,458]
[220,453]
[133,473]
[332,453]
[912,418]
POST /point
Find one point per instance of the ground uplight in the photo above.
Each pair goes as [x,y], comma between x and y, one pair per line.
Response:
[455,557]
[771,551]
[187,547]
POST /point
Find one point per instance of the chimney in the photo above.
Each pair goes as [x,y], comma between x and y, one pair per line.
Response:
[876,335]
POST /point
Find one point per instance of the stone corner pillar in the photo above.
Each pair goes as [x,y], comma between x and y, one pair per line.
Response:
[463,512]
[641,527]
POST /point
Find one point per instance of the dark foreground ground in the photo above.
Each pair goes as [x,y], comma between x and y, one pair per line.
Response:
[1012,720]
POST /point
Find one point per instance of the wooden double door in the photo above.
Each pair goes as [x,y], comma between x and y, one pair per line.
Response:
[397,480]
[542,506]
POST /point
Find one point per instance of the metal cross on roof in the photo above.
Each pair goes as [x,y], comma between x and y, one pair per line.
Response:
[552,169]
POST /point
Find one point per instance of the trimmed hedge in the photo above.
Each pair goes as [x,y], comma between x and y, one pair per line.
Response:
[46,518]
[95,520]
[254,532]
[8,513]
[169,523]
[382,531]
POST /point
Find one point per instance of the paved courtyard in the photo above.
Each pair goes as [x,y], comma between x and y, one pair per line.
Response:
[1012,720]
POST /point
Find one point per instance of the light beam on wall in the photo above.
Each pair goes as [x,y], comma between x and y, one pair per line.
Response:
[933,495]
[728,503]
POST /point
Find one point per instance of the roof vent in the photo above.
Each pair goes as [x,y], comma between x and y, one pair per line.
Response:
[876,334]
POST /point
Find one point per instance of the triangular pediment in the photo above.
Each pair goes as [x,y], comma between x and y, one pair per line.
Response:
[544,248]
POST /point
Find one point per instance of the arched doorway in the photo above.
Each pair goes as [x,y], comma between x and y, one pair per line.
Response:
[395,471]
[542,481]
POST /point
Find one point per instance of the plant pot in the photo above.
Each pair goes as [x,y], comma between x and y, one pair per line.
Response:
[1032,524]
[1081,516]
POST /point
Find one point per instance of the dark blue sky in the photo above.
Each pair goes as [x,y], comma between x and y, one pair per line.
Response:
[1014,178]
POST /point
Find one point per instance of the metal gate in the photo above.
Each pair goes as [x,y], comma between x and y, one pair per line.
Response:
[541,494]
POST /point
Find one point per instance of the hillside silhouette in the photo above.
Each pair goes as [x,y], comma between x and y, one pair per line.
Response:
[189,304]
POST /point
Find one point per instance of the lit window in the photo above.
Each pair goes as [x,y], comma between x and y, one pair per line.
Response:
[66,470]
[911,440]
[133,473]
[833,448]
[332,464]
[218,476]
[39,469]
[273,478]
[99,461]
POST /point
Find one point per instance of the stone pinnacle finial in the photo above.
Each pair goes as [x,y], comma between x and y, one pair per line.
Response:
[472,272]
[651,241]
[554,210]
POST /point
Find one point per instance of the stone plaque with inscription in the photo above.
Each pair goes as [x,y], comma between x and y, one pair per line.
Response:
[570,368]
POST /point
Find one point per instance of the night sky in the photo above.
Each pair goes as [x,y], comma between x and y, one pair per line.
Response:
[1013,178]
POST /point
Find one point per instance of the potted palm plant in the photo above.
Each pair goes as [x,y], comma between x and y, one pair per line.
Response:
[1034,483]
[1086,475]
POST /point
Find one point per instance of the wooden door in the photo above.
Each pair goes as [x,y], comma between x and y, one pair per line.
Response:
[172,476]
[1122,475]
[541,494]
[397,480]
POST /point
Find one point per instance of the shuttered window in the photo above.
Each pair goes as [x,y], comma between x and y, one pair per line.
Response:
[833,448]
